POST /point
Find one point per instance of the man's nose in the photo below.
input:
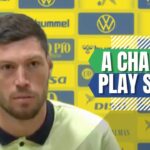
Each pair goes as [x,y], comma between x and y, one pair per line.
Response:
[21,79]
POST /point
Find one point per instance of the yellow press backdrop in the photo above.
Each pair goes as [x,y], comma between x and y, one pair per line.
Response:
[74,29]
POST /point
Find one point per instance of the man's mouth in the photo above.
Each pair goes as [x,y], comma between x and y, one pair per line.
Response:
[23,97]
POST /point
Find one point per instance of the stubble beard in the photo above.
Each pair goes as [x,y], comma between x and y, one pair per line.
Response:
[25,114]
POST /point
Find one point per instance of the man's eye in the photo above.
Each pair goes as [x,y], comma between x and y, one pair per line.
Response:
[6,67]
[34,64]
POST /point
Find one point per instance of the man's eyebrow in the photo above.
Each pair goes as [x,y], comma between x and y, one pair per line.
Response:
[35,57]
[6,62]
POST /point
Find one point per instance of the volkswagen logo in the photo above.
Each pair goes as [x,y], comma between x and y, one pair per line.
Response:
[46,3]
[106,23]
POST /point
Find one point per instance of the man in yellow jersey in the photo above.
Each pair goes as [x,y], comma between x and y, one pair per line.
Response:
[27,120]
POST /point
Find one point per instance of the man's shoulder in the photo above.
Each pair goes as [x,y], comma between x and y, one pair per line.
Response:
[67,110]
[77,127]
[78,117]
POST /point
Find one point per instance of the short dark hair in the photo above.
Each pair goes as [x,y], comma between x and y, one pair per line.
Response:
[15,27]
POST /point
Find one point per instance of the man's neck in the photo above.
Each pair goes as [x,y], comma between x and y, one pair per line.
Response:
[19,128]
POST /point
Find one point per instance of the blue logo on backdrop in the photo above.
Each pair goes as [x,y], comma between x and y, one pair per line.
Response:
[106,23]
[85,73]
[64,96]
[144,4]
[46,3]
[144,146]
[61,49]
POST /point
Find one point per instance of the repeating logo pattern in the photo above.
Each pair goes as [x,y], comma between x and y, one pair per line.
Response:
[106,23]
[144,4]
[61,49]
[102,2]
[85,73]
[46,3]
[143,146]
[63,96]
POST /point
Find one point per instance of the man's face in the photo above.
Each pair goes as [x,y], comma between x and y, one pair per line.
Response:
[24,73]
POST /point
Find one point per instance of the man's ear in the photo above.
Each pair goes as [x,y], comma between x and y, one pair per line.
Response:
[50,63]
